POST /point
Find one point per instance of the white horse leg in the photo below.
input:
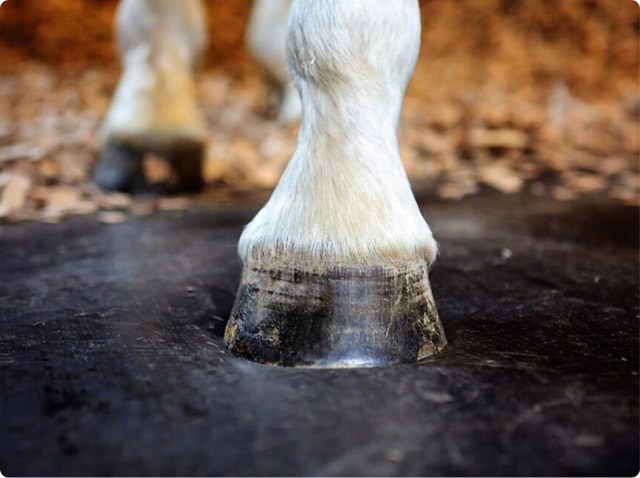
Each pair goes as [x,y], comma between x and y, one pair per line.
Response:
[266,36]
[336,263]
[154,107]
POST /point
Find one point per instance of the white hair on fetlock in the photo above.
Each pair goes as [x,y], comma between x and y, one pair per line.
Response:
[344,198]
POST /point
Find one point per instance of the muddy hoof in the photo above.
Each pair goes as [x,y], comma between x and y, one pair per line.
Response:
[338,317]
[121,167]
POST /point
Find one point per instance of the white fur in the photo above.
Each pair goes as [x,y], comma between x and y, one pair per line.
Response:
[344,198]
[160,42]
[266,36]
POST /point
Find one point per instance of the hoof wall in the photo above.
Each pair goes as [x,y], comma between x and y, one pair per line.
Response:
[121,167]
[341,317]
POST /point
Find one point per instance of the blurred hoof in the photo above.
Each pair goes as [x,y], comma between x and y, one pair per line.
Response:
[121,167]
[185,157]
[336,317]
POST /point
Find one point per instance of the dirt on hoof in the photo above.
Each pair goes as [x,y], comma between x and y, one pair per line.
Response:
[335,317]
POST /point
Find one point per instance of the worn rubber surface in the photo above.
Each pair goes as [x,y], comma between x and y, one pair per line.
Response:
[112,360]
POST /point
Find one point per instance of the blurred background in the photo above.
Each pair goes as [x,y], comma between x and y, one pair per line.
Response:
[510,95]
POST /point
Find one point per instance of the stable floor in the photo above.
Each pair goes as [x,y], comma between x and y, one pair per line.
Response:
[112,361]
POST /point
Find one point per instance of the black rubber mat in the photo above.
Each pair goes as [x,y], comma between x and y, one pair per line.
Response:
[112,361]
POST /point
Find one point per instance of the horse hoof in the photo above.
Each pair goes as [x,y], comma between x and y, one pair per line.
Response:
[121,167]
[335,317]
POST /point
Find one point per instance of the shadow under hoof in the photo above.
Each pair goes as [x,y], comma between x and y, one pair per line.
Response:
[337,317]
[121,167]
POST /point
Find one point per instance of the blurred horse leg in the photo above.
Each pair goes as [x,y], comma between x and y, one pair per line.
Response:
[154,107]
[266,36]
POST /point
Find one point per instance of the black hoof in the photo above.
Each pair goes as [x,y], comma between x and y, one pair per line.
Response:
[340,317]
[121,167]
[185,157]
